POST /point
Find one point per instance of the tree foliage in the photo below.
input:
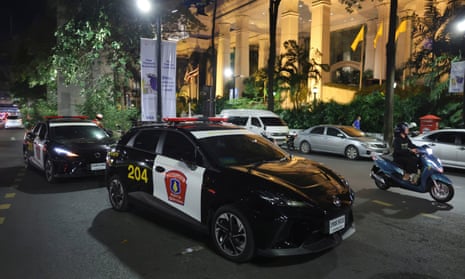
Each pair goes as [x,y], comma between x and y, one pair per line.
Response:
[294,69]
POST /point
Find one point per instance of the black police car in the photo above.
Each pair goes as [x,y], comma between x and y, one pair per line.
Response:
[251,196]
[66,147]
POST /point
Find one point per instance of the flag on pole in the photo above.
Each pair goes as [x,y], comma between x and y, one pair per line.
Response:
[358,39]
[379,33]
[401,28]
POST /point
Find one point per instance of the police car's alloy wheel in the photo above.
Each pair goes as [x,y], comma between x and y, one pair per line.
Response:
[49,171]
[117,194]
[232,234]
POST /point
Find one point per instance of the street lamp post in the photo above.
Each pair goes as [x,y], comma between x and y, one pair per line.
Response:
[146,7]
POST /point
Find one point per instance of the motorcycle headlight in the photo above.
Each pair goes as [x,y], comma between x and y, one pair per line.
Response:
[64,152]
[281,200]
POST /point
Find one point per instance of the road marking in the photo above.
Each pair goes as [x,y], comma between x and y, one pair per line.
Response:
[10,195]
[5,206]
[2,220]
[430,216]
[382,203]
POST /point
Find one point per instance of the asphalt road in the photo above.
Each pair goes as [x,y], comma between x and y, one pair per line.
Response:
[68,230]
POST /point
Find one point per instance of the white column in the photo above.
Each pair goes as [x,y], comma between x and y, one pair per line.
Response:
[369,47]
[263,51]
[223,57]
[289,22]
[379,71]
[241,58]
[320,40]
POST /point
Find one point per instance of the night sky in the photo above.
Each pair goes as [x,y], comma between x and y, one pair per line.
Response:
[17,16]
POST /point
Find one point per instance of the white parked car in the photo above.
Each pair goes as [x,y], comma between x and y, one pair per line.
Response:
[447,144]
[339,139]
[13,121]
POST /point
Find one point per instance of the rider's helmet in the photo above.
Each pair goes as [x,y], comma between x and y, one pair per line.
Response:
[99,116]
[401,128]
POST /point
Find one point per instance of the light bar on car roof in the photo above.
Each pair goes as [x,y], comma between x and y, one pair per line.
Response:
[83,117]
[193,119]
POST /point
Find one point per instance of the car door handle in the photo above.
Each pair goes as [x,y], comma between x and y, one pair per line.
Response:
[159,169]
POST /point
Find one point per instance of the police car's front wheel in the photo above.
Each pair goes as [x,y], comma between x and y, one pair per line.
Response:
[232,234]
[49,170]
[118,194]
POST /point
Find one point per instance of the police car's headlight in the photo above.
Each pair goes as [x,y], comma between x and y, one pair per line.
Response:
[281,200]
[64,152]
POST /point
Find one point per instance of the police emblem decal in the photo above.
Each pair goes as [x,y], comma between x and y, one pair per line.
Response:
[175,183]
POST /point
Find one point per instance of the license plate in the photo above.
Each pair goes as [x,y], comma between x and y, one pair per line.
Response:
[97,166]
[337,224]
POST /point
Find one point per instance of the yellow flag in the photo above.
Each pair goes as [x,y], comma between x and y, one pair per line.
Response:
[401,28]
[358,39]
[379,33]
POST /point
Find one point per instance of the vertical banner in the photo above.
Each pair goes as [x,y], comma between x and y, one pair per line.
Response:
[149,90]
[457,74]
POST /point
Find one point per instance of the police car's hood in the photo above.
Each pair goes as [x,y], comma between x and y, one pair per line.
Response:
[301,175]
[84,145]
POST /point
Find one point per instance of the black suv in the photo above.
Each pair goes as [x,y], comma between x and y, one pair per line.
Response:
[66,147]
[250,195]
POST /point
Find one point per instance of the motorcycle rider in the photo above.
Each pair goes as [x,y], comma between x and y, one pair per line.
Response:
[404,151]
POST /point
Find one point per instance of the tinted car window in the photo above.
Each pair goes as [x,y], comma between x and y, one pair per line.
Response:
[240,149]
[241,121]
[178,147]
[256,122]
[332,132]
[273,121]
[317,130]
[445,137]
[78,132]
[147,140]
[462,138]
[42,131]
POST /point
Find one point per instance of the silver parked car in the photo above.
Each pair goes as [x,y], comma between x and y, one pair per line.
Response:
[339,139]
[447,144]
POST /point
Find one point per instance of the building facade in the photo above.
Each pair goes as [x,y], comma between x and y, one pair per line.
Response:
[324,27]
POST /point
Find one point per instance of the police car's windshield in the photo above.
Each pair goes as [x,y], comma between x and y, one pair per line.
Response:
[243,149]
[93,133]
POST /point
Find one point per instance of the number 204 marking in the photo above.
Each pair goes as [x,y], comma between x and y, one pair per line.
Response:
[138,174]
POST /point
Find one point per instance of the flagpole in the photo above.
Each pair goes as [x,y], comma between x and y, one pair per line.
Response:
[190,98]
[362,60]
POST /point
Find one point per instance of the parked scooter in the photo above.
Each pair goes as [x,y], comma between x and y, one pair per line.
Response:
[387,174]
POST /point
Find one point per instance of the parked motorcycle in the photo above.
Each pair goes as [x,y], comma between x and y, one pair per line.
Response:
[387,174]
